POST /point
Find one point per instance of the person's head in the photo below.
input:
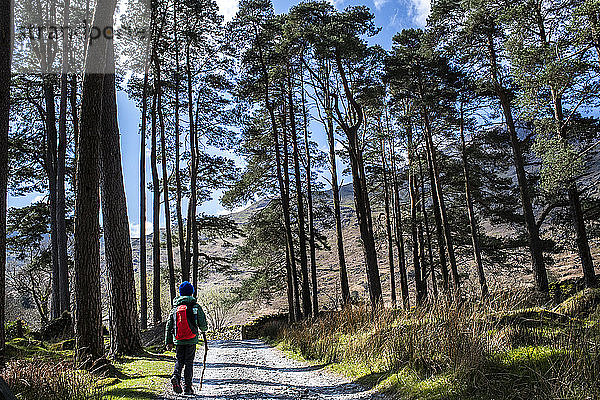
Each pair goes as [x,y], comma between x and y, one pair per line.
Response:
[186,289]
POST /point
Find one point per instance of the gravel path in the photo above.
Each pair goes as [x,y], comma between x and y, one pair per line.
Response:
[249,369]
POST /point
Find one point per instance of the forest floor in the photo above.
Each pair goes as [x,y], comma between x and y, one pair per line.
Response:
[251,369]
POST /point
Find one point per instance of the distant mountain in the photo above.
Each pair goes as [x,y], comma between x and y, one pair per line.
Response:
[346,202]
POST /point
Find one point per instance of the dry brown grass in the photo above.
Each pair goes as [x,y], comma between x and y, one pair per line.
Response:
[50,380]
[498,348]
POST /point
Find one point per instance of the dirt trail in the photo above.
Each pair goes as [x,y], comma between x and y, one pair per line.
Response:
[249,369]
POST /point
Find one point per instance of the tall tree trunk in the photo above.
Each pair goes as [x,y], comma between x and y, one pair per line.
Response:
[388,225]
[165,177]
[471,212]
[535,244]
[361,197]
[286,205]
[432,161]
[420,232]
[427,232]
[6,34]
[311,216]
[412,191]
[306,301]
[178,188]
[583,246]
[156,311]
[399,234]
[292,281]
[61,226]
[75,119]
[88,312]
[290,285]
[124,325]
[195,243]
[50,165]
[142,261]
[191,215]
[295,313]
[290,263]
[420,296]
[439,230]
[581,238]
[88,308]
[335,189]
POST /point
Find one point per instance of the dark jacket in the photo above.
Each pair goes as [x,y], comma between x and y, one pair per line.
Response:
[200,320]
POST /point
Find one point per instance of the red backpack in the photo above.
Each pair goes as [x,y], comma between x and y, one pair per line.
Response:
[185,324]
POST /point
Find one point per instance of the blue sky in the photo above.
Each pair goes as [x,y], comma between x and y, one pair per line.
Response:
[391,15]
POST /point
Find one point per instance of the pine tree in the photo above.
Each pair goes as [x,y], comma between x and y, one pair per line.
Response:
[88,310]
[124,325]
[5,77]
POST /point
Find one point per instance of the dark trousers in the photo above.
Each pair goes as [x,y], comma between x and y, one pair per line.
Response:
[185,358]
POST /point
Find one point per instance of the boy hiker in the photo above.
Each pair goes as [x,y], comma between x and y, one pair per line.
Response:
[183,325]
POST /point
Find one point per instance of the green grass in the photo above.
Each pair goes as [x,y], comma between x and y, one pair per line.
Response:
[141,377]
[503,349]
[136,377]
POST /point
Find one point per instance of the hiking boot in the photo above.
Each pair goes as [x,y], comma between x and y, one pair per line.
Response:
[176,385]
[189,391]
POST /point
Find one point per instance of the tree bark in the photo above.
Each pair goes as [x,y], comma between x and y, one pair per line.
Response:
[61,227]
[178,188]
[361,197]
[434,173]
[399,234]
[415,239]
[124,325]
[6,35]
[191,214]
[75,119]
[311,217]
[165,177]
[427,232]
[335,189]
[306,300]
[156,311]
[195,244]
[50,166]
[412,191]
[286,206]
[142,261]
[290,262]
[88,310]
[388,226]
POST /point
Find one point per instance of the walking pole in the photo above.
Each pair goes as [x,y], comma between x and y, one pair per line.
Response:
[205,354]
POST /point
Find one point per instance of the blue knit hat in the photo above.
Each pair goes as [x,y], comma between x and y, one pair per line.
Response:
[186,289]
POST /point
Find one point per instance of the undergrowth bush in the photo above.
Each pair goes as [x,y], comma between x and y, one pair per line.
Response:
[48,380]
[497,348]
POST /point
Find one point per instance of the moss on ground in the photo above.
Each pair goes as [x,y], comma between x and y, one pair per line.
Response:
[140,377]
[135,377]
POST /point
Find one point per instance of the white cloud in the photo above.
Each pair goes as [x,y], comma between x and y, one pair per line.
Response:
[134,229]
[394,22]
[379,3]
[39,198]
[228,8]
[420,11]
[336,3]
